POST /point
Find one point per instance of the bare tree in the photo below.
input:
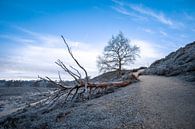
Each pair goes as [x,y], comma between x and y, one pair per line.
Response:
[116,54]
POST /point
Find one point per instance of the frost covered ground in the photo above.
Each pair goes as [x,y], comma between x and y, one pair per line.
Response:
[15,98]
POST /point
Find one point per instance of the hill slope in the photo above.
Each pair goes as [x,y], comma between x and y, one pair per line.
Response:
[180,62]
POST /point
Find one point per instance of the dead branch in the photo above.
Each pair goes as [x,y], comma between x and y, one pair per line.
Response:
[75,76]
[77,72]
[62,82]
[53,82]
[71,54]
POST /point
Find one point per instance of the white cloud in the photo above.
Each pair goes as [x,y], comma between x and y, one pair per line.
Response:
[149,52]
[38,58]
[147,49]
[35,60]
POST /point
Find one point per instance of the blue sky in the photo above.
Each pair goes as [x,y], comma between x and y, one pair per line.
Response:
[30,32]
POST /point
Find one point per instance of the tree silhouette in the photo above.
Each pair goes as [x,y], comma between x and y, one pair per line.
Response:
[117,53]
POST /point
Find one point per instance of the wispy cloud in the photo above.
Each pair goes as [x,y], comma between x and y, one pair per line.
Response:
[149,12]
[118,2]
[148,30]
[188,16]
[16,38]
[183,36]
[163,33]
[123,11]
[142,11]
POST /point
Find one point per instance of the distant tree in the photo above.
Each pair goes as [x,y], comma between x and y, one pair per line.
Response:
[116,54]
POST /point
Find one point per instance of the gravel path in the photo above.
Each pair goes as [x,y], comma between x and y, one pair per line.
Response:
[154,103]
[167,102]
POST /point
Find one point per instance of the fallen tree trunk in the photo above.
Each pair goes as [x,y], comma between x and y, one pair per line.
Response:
[82,87]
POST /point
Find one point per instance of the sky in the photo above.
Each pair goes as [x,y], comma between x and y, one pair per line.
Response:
[30,32]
